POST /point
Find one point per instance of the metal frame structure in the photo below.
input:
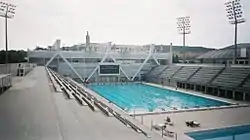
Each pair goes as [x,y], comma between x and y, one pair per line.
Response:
[110,56]
[150,55]
[107,55]
[58,53]
[184,27]
[7,11]
[235,16]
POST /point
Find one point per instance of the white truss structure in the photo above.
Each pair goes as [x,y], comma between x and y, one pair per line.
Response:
[150,55]
[107,55]
[67,62]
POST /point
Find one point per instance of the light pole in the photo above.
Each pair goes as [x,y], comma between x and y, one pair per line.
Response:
[235,16]
[183,25]
[7,11]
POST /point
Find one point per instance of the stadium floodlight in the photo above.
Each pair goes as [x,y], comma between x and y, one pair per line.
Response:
[183,25]
[7,11]
[235,17]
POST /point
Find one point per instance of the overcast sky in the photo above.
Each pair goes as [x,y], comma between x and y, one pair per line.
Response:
[41,22]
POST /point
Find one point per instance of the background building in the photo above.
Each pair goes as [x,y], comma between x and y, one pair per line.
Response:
[225,55]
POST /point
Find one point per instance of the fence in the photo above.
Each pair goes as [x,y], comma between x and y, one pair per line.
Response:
[16,69]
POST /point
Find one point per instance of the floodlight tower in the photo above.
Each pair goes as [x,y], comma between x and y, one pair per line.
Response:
[235,16]
[183,25]
[7,11]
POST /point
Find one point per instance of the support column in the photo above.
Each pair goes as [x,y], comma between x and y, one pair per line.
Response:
[206,89]
[171,55]
[119,78]
[233,94]
[57,62]
[244,96]
[218,92]
[195,87]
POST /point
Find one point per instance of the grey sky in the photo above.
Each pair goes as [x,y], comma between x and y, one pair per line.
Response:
[121,21]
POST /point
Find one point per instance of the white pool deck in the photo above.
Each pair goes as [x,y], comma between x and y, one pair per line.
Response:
[209,119]
[215,117]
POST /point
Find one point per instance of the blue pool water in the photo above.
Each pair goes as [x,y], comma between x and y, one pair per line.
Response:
[232,133]
[140,96]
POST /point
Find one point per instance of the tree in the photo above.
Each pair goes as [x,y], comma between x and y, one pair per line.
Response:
[13,56]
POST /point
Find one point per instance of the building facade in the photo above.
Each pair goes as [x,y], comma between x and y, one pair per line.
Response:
[87,62]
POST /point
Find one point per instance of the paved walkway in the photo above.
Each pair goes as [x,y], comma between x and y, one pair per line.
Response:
[31,110]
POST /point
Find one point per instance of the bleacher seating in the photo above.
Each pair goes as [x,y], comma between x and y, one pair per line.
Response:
[185,73]
[71,88]
[156,71]
[170,71]
[205,75]
[207,78]
[247,85]
[231,77]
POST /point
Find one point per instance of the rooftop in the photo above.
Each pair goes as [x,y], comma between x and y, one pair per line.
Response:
[227,52]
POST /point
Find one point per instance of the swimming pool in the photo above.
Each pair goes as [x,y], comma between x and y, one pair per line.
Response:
[137,96]
[231,133]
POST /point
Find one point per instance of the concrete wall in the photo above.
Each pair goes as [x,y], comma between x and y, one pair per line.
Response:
[13,68]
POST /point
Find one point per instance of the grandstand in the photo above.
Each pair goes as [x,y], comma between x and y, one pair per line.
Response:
[157,71]
[247,84]
[185,73]
[170,71]
[205,75]
[229,82]
[231,77]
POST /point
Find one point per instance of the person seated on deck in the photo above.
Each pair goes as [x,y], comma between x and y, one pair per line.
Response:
[168,133]
[168,121]
[192,124]
[159,126]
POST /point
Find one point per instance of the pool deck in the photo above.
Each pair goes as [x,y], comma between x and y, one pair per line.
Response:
[32,110]
[217,117]
[209,119]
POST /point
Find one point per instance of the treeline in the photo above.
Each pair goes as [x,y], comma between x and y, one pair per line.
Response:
[14,56]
